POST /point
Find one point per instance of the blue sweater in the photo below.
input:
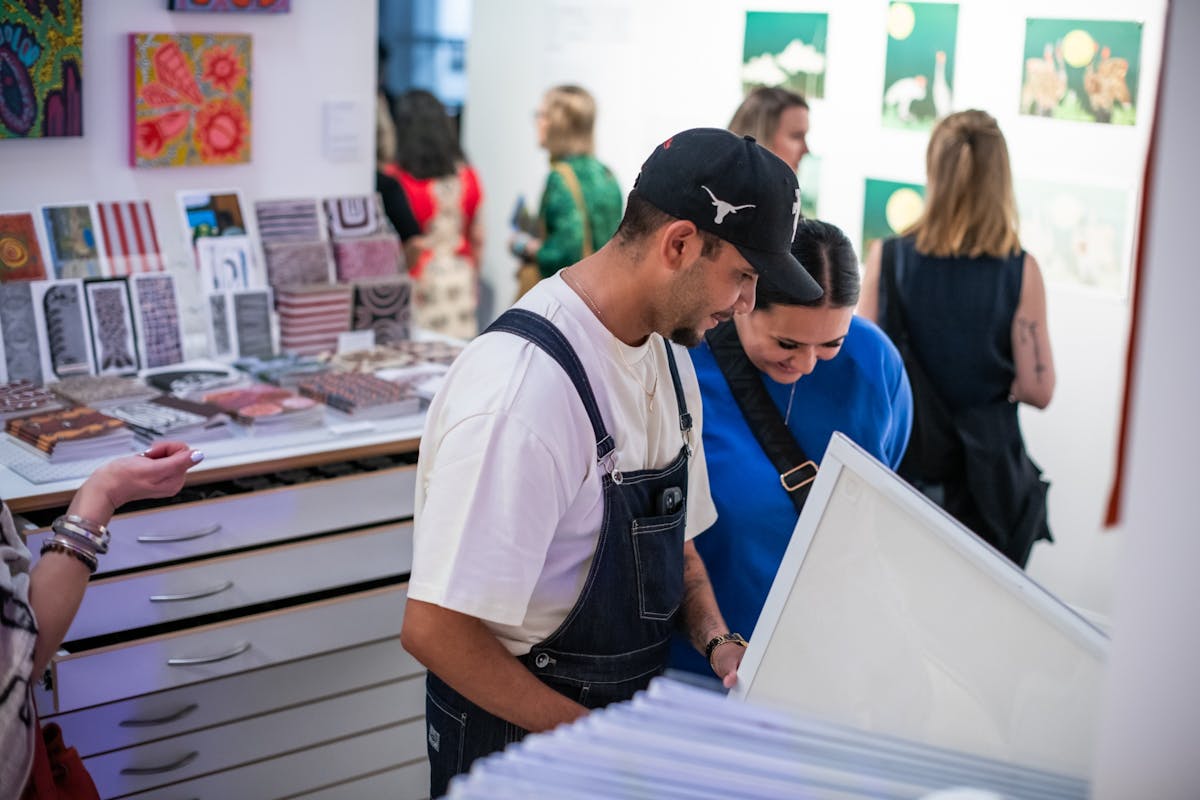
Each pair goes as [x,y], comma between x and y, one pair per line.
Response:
[862,392]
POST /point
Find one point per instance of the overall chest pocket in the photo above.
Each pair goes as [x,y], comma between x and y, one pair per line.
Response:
[658,554]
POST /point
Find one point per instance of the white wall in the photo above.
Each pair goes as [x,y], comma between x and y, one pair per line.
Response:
[1147,743]
[319,52]
[656,68]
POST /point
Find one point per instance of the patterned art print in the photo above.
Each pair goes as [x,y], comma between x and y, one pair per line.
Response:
[290,263]
[785,49]
[384,307]
[209,213]
[244,6]
[227,262]
[64,324]
[130,238]
[252,322]
[74,247]
[112,327]
[288,220]
[191,99]
[1082,70]
[20,254]
[220,330]
[919,71]
[370,257]
[41,69]
[353,217]
[159,336]
[22,350]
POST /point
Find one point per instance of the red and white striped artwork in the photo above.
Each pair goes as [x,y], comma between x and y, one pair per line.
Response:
[130,240]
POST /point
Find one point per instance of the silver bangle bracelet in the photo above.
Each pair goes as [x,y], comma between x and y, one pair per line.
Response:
[94,527]
[64,526]
[56,545]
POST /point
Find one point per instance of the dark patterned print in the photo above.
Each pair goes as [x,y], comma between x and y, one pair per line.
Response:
[22,354]
[252,319]
[112,327]
[158,315]
[218,312]
[384,306]
[66,330]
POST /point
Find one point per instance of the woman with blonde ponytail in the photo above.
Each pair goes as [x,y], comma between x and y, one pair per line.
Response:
[967,308]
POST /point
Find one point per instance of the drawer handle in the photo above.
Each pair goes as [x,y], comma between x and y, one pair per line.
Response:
[180,537]
[150,723]
[237,650]
[175,598]
[174,765]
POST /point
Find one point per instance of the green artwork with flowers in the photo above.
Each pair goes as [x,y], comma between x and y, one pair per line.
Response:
[785,49]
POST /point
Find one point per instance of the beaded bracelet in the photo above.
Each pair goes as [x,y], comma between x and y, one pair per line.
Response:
[56,545]
[85,531]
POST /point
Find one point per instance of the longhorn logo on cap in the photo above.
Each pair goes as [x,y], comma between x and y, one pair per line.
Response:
[724,209]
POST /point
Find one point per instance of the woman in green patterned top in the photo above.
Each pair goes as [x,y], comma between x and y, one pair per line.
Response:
[582,203]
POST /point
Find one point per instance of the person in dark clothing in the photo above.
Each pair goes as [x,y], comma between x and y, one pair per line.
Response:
[974,305]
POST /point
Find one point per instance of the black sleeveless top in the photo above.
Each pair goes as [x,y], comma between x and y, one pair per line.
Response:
[960,313]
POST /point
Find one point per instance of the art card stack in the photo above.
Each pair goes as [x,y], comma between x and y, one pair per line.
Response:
[364,243]
[101,391]
[160,337]
[268,409]
[23,399]
[311,317]
[679,741]
[293,242]
[362,396]
[240,324]
[191,384]
[71,435]
[167,417]
[285,370]
[384,305]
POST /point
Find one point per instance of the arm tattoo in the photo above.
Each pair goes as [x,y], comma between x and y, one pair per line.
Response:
[1026,332]
[696,621]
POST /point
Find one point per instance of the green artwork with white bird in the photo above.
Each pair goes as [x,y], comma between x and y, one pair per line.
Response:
[918,75]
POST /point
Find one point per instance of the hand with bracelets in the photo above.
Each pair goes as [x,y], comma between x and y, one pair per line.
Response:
[80,537]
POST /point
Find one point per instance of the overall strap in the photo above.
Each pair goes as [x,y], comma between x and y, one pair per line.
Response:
[544,334]
[796,470]
[685,419]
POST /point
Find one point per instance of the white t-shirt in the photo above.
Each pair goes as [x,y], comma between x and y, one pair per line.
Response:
[509,496]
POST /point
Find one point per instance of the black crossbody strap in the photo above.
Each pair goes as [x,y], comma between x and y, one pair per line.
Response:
[796,470]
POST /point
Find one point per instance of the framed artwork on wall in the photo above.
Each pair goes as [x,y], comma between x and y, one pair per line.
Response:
[41,64]
[242,6]
[190,99]
[888,208]
[785,49]
[1082,70]
[919,72]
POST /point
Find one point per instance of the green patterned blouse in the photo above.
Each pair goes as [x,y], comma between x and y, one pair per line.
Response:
[562,244]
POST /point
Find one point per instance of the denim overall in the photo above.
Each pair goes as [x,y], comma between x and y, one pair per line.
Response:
[618,634]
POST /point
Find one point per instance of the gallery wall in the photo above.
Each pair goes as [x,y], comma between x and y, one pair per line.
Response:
[656,68]
[315,55]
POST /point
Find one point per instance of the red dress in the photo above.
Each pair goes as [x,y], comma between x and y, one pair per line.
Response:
[424,206]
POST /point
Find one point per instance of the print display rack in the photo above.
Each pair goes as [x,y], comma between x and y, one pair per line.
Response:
[243,640]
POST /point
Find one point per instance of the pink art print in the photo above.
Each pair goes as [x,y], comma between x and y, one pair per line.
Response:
[246,6]
[191,99]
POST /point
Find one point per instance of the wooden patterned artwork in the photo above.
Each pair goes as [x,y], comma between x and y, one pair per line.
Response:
[41,69]
[191,99]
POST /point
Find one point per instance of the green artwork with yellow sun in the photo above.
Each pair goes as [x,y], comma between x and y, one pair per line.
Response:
[191,99]
[889,207]
[918,73]
[1082,70]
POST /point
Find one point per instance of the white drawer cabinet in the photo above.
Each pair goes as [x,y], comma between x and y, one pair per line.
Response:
[222,747]
[247,646]
[188,530]
[113,726]
[217,584]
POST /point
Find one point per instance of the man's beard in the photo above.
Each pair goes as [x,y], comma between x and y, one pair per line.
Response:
[688,337]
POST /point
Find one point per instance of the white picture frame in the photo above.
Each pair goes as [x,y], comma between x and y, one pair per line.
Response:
[75,324]
[105,363]
[888,615]
[56,262]
[155,347]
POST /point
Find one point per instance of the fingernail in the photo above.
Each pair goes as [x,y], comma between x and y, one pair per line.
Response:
[197,456]
[143,453]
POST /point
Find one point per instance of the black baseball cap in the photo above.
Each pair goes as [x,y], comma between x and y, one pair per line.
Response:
[733,187]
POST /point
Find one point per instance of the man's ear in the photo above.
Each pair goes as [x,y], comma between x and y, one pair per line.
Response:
[678,244]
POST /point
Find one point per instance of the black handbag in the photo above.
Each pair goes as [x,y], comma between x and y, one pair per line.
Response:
[796,470]
[935,451]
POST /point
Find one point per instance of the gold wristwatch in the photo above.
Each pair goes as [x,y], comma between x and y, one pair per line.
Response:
[717,641]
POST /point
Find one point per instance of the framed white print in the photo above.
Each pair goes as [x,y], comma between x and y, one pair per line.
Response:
[227,262]
[889,616]
[64,333]
[114,341]
[157,319]
[252,323]
[222,336]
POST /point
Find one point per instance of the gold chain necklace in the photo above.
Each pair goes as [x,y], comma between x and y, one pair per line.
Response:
[791,396]
[578,286]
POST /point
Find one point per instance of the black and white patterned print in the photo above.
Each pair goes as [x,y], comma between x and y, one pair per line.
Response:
[112,327]
[22,353]
[252,320]
[66,330]
[292,263]
[218,318]
[385,307]
[352,217]
[158,317]
[288,220]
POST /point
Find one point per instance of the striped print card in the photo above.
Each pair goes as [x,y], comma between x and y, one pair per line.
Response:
[130,238]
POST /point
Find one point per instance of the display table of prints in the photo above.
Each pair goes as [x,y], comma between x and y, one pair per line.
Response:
[23,398]
[100,391]
[174,418]
[268,408]
[679,741]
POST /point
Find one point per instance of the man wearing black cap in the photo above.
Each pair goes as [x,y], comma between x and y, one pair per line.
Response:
[560,479]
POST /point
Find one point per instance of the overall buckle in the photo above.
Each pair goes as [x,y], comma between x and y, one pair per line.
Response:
[798,477]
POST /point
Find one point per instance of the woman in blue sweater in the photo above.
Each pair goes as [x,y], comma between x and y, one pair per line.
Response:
[825,370]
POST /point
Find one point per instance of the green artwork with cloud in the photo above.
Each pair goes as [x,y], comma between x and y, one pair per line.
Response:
[785,49]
